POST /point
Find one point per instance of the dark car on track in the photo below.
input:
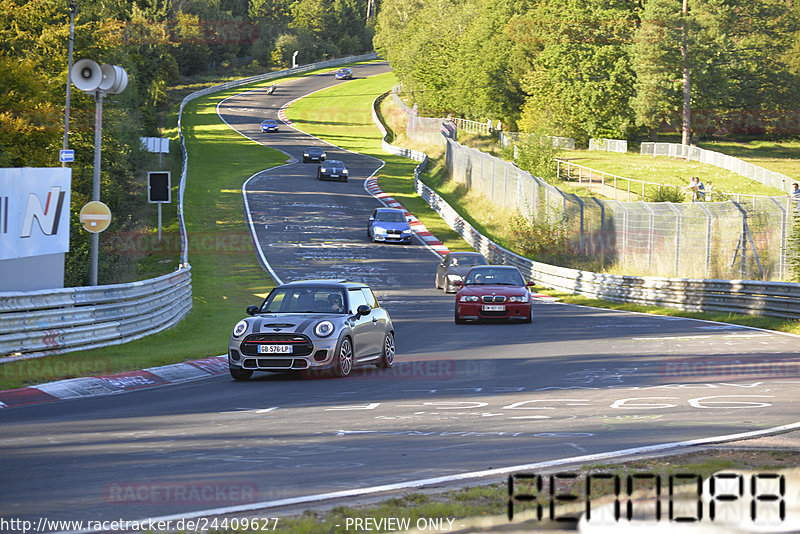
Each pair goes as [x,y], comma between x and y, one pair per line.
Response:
[269,125]
[389,225]
[313,325]
[314,153]
[493,292]
[332,169]
[343,74]
[454,266]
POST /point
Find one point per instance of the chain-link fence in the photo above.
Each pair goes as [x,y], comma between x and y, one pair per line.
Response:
[695,240]
[746,239]
[724,161]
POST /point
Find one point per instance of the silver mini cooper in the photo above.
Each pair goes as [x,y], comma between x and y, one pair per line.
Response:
[315,325]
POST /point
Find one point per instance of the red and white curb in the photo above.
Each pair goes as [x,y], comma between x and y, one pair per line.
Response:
[93,386]
[371,185]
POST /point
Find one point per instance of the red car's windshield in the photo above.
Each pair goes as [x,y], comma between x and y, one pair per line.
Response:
[503,277]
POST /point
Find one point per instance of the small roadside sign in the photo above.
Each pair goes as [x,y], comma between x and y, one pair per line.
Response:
[66,156]
[95,217]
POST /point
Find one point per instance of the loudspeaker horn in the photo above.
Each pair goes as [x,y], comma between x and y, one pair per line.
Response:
[86,75]
[115,79]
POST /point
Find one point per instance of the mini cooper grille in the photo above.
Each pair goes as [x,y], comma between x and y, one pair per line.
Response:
[492,298]
[302,345]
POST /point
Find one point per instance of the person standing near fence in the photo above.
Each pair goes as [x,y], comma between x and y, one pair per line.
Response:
[709,191]
[697,188]
[795,194]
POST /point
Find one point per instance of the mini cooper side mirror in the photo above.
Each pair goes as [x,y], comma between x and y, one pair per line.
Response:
[363,310]
[458,283]
[251,310]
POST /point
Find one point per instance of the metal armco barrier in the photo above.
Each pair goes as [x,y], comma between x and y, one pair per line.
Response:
[42,323]
[774,299]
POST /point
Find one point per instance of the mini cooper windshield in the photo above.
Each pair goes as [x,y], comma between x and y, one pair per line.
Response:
[305,300]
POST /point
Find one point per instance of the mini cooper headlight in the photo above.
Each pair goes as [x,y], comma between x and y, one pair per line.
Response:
[520,298]
[469,298]
[324,328]
[240,328]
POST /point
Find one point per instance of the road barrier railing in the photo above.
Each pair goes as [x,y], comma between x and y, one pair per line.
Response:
[41,323]
[775,299]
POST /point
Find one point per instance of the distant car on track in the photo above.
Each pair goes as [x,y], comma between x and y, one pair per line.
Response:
[313,325]
[314,153]
[332,169]
[454,266]
[343,74]
[493,292]
[389,225]
[269,125]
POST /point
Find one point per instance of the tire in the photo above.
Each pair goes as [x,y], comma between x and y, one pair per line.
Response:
[449,288]
[387,358]
[529,320]
[458,319]
[436,282]
[305,160]
[240,374]
[344,358]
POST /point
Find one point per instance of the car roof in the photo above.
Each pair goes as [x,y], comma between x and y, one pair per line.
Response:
[333,162]
[315,148]
[342,283]
[389,210]
[269,120]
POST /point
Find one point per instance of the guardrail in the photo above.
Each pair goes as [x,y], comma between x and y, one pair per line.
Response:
[774,299]
[42,323]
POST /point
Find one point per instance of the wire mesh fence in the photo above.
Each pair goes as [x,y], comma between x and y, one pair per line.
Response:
[740,238]
[732,240]
[724,161]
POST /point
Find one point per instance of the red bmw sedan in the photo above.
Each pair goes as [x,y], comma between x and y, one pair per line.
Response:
[493,292]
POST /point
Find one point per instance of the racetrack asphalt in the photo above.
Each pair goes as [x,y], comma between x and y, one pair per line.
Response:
[461,398]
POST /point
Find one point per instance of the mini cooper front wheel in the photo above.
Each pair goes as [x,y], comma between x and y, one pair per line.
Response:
[344,358]
[387,358]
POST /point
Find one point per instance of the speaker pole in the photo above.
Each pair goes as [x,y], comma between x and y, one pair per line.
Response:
[73,8]
[98,139]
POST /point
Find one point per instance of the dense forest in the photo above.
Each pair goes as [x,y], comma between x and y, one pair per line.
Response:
[158,43]
[600,68]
